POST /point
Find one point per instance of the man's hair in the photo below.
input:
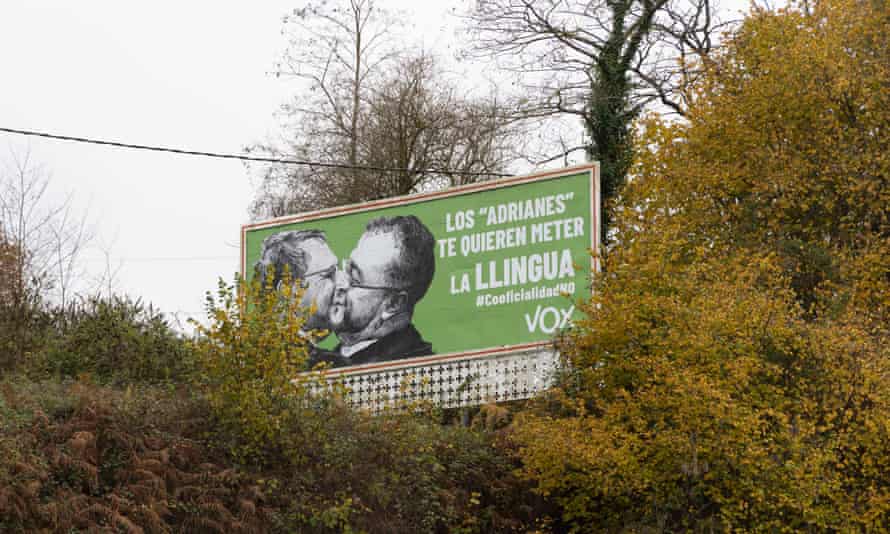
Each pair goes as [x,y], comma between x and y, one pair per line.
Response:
[282,252]
[415,264]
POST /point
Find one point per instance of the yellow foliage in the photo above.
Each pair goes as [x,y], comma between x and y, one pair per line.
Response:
[732,371]
[249,357]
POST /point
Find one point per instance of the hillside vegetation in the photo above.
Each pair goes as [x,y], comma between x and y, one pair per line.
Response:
[731,372]
[732,369]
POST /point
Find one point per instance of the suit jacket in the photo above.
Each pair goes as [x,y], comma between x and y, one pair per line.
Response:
[398,345]
[318,355]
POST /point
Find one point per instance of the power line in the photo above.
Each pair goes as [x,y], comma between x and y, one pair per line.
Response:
[241,157]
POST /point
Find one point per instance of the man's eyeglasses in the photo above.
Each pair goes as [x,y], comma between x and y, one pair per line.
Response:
[354,282]
[386,288]
[327,272]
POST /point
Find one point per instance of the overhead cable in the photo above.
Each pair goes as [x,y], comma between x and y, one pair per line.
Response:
[243,157]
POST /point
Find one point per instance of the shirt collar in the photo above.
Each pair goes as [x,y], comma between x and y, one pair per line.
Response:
[346,352]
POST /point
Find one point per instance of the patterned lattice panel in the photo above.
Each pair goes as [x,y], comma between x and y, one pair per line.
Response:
[451,383]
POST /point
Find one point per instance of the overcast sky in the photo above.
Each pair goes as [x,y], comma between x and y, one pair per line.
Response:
[185,74]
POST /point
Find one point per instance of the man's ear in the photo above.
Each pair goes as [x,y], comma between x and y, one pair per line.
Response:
[394,304]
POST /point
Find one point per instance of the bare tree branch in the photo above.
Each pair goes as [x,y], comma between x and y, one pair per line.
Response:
[601,60]
[371,105]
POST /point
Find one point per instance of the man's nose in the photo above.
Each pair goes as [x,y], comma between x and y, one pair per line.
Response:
[341,281]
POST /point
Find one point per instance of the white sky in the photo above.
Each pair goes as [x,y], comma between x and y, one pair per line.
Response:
[191,74]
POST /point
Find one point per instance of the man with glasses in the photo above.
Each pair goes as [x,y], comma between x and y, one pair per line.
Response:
[309,259]
[375,293]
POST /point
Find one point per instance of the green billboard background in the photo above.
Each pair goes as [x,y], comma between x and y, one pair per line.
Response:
[501,280]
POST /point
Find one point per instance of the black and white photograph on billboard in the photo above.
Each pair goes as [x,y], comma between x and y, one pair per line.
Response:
[367,300]
[469,272]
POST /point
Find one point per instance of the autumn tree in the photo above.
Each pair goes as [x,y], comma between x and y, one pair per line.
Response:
[364,101]
[40,243]
[9,259]
[731,372]
[601,61]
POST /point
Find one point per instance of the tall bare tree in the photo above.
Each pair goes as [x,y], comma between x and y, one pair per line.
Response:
[419,122]
[366,103]
[335,49]
[600,60]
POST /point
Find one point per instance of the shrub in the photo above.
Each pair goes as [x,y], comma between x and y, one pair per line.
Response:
[248,357]
[397,473]
[25,328]
[79,457]
[116,339]
[328,467]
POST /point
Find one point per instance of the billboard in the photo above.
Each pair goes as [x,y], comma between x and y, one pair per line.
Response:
[486,268]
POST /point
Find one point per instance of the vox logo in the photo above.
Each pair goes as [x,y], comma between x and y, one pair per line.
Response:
[549,319]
